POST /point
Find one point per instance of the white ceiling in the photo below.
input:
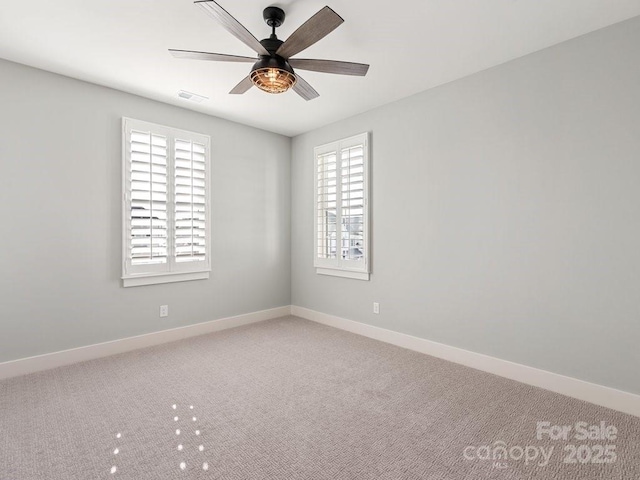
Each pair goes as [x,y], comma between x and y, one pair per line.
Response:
[411,45]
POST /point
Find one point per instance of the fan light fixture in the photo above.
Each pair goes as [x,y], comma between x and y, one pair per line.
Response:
[273,74]
[272,80]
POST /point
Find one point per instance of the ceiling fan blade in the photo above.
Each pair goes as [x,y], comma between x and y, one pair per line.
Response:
[234,27]
[214,57]
[317,27]
[305,90]
[330,66]
[244,85]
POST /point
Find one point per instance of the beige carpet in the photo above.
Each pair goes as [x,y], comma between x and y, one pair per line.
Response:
[291,399]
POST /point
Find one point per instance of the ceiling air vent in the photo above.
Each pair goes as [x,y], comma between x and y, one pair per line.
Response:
[192,97]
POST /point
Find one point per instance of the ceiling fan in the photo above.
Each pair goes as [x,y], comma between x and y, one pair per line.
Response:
[273,71]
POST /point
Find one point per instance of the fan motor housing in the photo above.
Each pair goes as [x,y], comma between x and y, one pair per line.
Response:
[274,61]
[271,44]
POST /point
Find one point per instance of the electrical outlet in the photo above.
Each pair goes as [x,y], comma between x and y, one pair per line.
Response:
[164,310]
[376,307]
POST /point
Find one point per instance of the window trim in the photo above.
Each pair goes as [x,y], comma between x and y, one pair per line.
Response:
[339,267]
[171,271]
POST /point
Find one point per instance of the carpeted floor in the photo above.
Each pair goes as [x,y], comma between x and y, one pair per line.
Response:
[291,399]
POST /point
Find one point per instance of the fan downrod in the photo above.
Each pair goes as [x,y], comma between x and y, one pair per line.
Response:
[273,16]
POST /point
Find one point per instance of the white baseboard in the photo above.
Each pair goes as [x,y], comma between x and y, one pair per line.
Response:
[47,361]
[590,392]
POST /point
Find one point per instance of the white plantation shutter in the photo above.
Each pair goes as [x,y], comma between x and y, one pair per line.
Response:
[166,207]
[352,204]
[327,206]
[342,213]
[190,201]
[148,212]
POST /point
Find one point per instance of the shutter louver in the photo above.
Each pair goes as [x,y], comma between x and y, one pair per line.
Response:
[190,201]
[148,191]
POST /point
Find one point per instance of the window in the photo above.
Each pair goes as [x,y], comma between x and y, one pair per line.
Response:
[342,210]
[166,204]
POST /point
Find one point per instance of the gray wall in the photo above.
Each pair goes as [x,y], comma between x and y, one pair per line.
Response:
[60,211]
[506,212]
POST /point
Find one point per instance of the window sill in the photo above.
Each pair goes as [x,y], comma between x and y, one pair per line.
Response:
[343,273]
[163,278]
